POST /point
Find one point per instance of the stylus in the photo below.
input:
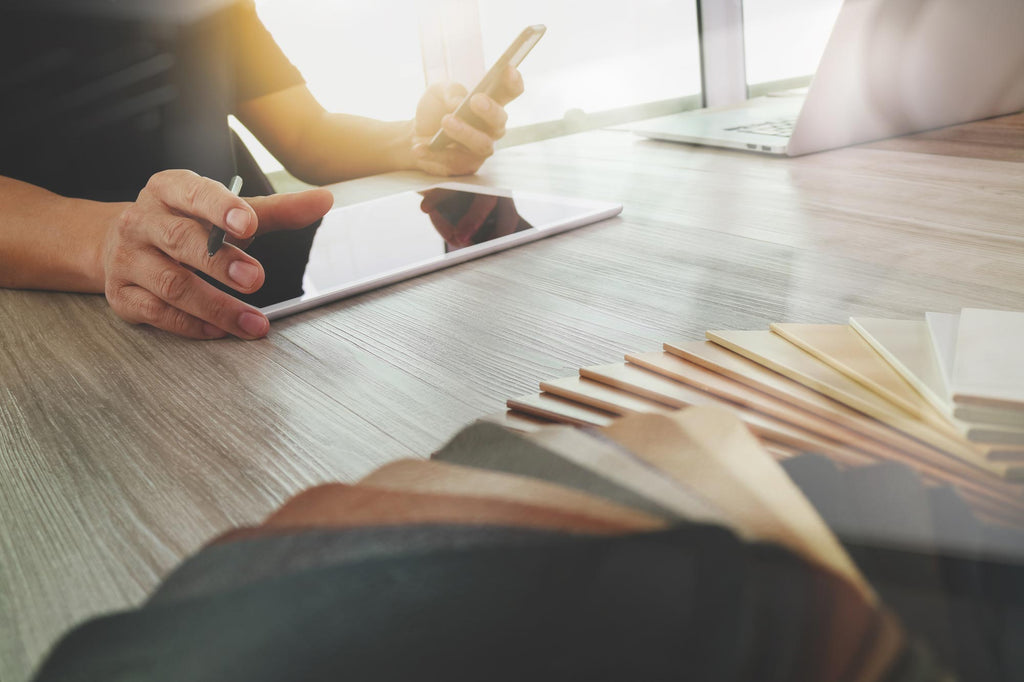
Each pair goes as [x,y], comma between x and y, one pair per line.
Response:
[216,238]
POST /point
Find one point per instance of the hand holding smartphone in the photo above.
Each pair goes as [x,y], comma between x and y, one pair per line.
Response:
[488,85]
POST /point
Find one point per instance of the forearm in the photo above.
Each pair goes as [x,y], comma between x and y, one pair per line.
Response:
[339,147]
[51,242]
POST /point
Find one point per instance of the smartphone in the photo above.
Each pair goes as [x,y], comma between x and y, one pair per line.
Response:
[515,54]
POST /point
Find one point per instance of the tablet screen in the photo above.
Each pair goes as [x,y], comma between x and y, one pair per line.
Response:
[384,240]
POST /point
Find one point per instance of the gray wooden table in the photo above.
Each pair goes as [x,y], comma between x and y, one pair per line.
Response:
[123,449]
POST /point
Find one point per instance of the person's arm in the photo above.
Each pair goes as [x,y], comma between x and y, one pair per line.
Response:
[51,242]
[320,147]
[144,255]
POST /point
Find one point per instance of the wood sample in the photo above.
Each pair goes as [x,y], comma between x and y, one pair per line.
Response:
[841,347]
[339,505]
[989,366]
[548,406]
[779,355]
[436,477]
[709,450]
[942,330]
[907,346]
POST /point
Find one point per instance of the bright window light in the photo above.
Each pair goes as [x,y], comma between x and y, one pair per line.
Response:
[598,55]
[786,38]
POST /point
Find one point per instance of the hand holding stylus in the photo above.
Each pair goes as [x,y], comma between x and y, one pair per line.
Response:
[154,249]
[217,234]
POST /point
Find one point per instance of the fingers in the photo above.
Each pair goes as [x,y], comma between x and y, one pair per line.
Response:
[508,218]
[453,93]
[438,100]
[510,88]
[469,224]
[138,306]
[184,241]
[492,115]
[291,211]
[453,160]
[198,197]
[153,251]
[476,141]
[162,293]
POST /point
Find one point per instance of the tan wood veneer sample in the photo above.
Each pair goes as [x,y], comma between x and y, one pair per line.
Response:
[442,478]
[711,450]
[734,366]
[339,505]
[840,346]
[547,406]
[635,379]
[779,355]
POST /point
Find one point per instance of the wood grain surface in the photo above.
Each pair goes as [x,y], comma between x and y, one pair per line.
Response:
[123,449]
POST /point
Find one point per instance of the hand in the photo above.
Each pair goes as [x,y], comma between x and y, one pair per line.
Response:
[154,249]
[471,146]
[463,219]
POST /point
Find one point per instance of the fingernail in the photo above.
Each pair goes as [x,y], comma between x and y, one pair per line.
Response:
[211,331]
[483,103]
[453,122]
[253,324]
[238,221]
[243,274]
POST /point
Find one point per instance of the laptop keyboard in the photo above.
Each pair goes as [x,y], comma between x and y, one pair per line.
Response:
[780,128]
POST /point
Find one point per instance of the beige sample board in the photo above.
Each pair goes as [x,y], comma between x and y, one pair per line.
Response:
[727,363]
[841,347]
[942,329]
[777,354]
[988,368]
[907,346]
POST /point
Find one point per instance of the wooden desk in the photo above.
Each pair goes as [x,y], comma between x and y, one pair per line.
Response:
[123,449]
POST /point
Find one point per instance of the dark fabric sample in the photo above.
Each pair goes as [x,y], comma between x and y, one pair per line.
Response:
[657,606]
[222,567]
[955,582]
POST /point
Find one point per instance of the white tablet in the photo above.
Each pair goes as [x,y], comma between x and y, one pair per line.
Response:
[375,243]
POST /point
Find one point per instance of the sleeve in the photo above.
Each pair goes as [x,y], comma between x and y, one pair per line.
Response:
[260,66]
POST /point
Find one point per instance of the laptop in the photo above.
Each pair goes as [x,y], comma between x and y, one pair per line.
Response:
[890,67]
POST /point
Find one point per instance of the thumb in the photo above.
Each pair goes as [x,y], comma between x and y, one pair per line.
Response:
[454,93]
[291,211]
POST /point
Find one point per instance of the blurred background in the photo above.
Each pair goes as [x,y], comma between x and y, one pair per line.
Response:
[601,62]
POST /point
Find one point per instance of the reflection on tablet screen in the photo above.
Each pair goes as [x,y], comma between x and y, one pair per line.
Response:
[464,218]
[369,239]
[364,245]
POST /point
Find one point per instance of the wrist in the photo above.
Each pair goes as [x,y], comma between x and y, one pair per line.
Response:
[84,258]
[401,155]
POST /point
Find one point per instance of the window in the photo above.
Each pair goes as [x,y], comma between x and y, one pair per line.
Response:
[785,38]
[348,51]
[638,58]
[596,56]
[358,57]
[374,58]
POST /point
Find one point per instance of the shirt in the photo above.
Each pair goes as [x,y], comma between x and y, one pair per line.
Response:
[101,94]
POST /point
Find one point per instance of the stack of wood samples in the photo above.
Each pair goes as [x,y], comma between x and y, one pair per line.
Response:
[823,389]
